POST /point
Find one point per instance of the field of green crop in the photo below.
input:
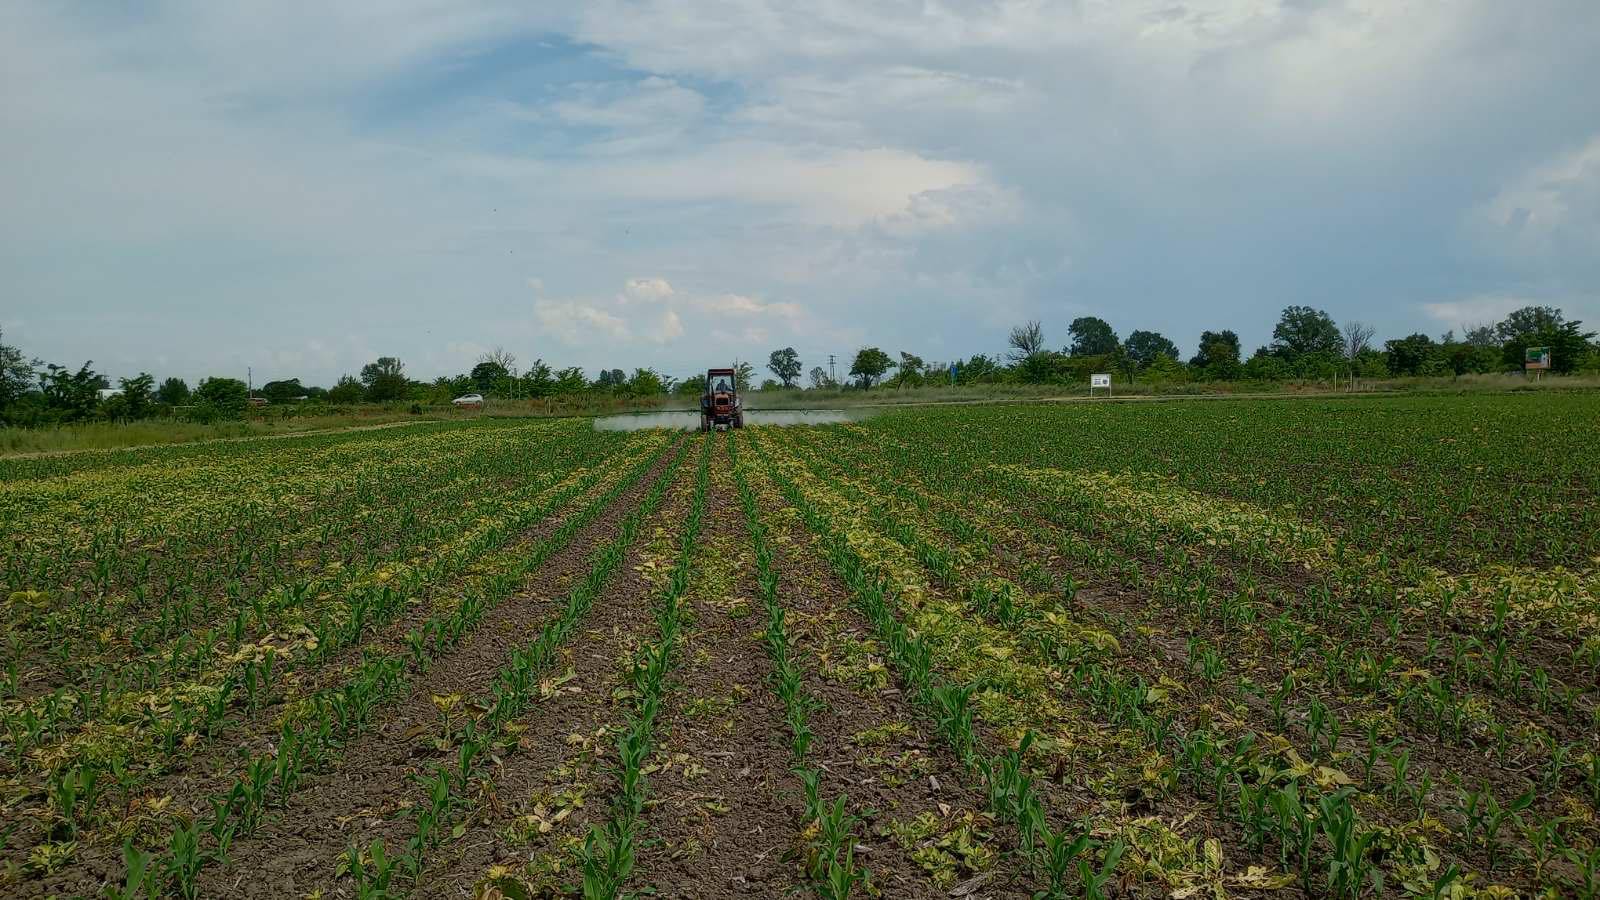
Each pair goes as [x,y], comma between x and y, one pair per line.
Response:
[1290,648]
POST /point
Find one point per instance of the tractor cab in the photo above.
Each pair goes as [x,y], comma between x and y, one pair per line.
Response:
[719,405]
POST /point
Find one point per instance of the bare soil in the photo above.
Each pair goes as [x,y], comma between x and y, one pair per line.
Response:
[297,847]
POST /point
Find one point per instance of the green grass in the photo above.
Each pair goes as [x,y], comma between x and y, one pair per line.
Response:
[884,395]
[116,435]
[275,420]
[1445,478]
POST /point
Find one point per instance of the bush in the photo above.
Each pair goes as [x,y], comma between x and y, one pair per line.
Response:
[224,397]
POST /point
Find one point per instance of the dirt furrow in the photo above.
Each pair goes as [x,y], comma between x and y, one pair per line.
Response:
[716,825]
[928,831]
[216,763]
[540,800]
[364,797]
[298,846]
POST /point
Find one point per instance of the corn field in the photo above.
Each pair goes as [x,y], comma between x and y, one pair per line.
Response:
[1248,648]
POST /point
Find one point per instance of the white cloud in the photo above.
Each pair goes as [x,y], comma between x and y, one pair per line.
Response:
[750,335]
[649,103]
[462,354]
[651,312]
[814,185]
[577,323]
[731,305]
[646,290]
[1551,208]
[1481,310]
[810,172]
[668,329]
[962,206]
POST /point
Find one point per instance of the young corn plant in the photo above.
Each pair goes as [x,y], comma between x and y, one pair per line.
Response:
[371,870]
[830,853]
[607,855]
[1348,862]
[140,882]
[340,712]
[1010,787]
[73,794]
[1095,878]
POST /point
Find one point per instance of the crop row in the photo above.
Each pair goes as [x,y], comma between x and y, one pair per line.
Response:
[1067,856]
[300,622]
[608,854]
[1007,603]
[74,606]
[449,789]
[314,725]
[1459,482]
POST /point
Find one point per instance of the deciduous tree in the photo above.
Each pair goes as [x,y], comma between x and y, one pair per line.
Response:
[911,372]
[488,374]
[646,383]
[1410,355]
[786,365]
[16,374]
[224,394]
[869,365]
[73,394]
[1219,354]
[174,392]
[979,369]
[1091,336]
[1543,326]
[137,393]
[1144,347]
[1026,340]
[348,390]
[1357,338]
[1302,330]
[283,391]
[385,379]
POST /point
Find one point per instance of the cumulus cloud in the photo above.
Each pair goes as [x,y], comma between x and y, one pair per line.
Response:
[578,323]
[782,171]
[649,312]
[740,305]
[968,206]
[669,328]
[750,334]
[646,289]
[1480,310]
[1551,208]
[813,185]
[652,102]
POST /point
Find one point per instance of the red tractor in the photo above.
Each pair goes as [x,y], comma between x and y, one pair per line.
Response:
[719,405]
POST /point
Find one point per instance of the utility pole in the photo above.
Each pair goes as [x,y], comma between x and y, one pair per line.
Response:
[249,382]
[831,377]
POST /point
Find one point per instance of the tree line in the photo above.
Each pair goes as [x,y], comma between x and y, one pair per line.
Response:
[1306,345]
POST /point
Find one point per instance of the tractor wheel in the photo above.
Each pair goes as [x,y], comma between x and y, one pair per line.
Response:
[705,422]
[738,420]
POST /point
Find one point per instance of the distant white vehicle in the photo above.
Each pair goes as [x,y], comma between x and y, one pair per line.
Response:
[469,401]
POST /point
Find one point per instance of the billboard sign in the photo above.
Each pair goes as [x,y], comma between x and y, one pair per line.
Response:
[1536,358]
[1099,381]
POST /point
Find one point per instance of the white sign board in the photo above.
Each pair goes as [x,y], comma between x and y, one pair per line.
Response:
[1100,381]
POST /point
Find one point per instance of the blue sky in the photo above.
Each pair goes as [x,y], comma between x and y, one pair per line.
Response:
[193,188]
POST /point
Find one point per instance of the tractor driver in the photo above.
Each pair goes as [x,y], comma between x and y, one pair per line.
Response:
[722,386]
